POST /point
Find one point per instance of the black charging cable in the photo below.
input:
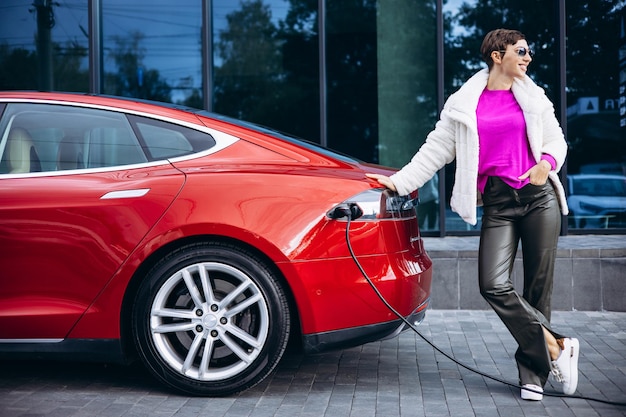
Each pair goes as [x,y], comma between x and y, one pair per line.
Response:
[348,212]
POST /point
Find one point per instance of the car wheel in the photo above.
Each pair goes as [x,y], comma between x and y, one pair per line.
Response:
[210,319]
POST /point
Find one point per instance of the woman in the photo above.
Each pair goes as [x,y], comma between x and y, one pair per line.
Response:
[501,128]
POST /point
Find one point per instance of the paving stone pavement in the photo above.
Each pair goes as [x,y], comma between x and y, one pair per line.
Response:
[403,376]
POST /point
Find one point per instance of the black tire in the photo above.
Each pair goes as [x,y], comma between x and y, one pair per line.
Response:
[210,341]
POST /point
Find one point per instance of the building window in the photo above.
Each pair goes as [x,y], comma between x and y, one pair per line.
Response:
[153,50]
[266,64]
[596,115]
[360,77]
[406,86]
[44,46]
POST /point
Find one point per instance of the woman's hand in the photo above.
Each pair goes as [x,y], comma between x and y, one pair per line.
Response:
[383,180]
[538,174]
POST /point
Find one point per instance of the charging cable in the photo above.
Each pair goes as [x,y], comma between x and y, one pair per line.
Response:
[348,212]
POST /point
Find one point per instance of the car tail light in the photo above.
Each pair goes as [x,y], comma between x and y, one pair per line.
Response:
[376,204]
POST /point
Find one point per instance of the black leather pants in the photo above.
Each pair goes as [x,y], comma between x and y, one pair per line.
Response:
[530,215]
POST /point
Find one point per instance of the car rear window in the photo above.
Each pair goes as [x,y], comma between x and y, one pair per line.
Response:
[163,140]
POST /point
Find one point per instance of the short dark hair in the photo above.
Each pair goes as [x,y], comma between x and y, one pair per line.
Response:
[498,40]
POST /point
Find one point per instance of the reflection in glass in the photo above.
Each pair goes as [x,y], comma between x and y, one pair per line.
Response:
[596,97]
[597,201]
[406,100]
[153,52]
[266,64]
[44,46]
[351,57]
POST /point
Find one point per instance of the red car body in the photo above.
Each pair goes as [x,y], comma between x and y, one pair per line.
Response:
[77,245]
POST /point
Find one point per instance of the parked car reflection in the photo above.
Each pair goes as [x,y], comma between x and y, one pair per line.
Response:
[597,201]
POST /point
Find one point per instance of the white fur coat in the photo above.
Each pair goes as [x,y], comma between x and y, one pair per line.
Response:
[456,136]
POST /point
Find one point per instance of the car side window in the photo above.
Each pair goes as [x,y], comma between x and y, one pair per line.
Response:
[47,138]
[163,140]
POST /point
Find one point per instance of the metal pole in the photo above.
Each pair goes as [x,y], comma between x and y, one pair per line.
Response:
[45,23]
[95,46]
[207,54]
[561,22]
[321,24]
[440,103]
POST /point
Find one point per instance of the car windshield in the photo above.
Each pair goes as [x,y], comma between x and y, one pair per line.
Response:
[600,187]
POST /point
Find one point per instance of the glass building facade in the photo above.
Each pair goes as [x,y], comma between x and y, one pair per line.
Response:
[364,77]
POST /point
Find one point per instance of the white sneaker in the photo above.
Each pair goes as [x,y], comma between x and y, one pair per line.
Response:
[565,367]
[531,395]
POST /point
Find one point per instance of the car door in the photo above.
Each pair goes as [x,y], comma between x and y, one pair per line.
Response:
[77,194]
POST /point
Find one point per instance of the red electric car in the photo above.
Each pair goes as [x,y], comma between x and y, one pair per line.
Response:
[197,243]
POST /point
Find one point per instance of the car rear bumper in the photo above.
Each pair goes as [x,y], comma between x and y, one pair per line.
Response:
[345,338]
[333,295]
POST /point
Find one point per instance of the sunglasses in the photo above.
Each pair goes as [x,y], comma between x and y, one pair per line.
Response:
[521,52]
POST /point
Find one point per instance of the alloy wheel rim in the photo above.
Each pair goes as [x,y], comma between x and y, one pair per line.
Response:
[209,321]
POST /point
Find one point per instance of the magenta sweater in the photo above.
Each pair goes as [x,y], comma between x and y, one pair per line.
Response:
[504,149]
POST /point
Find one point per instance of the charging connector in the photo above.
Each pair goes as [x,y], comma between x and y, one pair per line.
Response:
[351,211]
